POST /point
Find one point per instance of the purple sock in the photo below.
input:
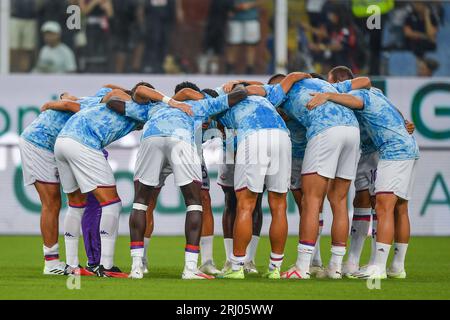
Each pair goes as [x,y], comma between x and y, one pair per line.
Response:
[90,225]
[91,230]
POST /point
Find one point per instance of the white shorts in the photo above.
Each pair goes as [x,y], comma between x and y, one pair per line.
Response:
[23,34]
[244,32]
[296,174]
[158,156]
[38,164]
[366,173]
[333,153]
[396,177]
[264,158]
[82,167]
[226,175]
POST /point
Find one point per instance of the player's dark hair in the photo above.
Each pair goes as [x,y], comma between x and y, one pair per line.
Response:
[186,84]
[341,73]
[210,92]
[275,76]
[142,83]
[316,76]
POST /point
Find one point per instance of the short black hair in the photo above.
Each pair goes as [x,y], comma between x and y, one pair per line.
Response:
[275,76]
[210,92]
[316,76]
[186,84]
[341,73]
[141,83]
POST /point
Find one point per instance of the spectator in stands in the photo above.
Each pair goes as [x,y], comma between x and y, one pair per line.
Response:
[244,29]
[426,67]
[23,34]
[160,16]
[420,29]
[214,37]
[54,57]
[128,33]
[340,45]
[98,14]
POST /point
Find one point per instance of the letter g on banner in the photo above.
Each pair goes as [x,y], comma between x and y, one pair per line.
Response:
[439,111]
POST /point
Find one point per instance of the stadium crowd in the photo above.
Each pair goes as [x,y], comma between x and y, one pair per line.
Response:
[220,36]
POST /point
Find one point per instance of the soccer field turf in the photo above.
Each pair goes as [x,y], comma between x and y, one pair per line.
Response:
[428,267]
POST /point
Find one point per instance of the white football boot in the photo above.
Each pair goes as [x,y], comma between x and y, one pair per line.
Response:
[209,268]
[295,273]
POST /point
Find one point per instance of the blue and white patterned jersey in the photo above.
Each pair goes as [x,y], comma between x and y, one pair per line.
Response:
[165,121]
[367,146]
[250,115]
[323,117]
[386,126]
[98,126]
[298,138]
[44,130]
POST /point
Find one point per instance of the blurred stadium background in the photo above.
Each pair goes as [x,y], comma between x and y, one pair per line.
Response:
[47,48]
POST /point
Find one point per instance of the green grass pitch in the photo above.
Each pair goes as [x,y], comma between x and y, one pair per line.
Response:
[428,267]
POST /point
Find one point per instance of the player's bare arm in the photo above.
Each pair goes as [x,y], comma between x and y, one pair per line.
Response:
[344,99]
[292,78]
[188,94]
[61,105]
[227,87]
[145,94]
[361,83]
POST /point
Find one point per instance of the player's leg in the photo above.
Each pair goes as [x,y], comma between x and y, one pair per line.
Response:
[50,197]
[207,236]
[337,195]
[242,231]
[228,218]
[150,225]
[277,232]
[359,230]
[250,266]
[402,234]
[72,227]
[138,224]
[109,224]
[90,225]
[186,165]
[314,189]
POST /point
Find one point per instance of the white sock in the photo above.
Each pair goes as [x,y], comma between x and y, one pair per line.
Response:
[373,250]
[146,243]
[275,261]
[251,249]
[109,225]
[398,263]
[51,255]
[382,255]
[337,255]
[72,231]
[228,243]
[305,251]
[206,249]
[237,262]
[317,259]
[137,251]
[358,234]
[191,257]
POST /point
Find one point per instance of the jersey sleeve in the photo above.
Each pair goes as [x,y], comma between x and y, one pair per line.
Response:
[275,94]
[360,94]
[344,86]
[136,111]
[220,91]
[211,107]
[103,92]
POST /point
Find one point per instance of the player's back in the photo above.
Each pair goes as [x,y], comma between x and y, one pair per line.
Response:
[298,138]
[252,114]
[386,126]
[325,116]
[44,130]
[98,126]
